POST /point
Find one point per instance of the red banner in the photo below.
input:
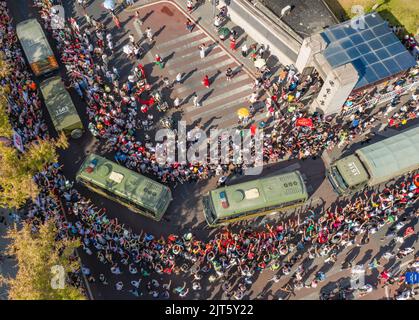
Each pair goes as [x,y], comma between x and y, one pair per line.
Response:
[304,122]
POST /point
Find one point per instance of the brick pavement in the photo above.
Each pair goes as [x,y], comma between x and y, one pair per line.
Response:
[179,49]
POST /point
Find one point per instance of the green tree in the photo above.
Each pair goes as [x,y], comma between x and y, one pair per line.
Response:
[5,69]
[5,127]
[37,254]
[17,169]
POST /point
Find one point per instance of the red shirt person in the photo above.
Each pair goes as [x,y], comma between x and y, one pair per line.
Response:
[233,44]
[206,81]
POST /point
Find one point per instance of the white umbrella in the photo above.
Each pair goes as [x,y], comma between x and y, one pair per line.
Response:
[259,63]
[109,4]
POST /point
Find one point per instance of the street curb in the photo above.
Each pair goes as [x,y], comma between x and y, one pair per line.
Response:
[246,69]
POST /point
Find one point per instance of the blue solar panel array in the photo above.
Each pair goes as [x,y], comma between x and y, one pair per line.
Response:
[374,50]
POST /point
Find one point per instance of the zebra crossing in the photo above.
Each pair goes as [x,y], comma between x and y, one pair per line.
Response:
[218,103]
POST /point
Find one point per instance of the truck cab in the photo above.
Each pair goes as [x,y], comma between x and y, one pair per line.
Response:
[347,175]
[36,47]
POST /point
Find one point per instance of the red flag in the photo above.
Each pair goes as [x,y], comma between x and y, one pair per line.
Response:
[304,122]
[253,128]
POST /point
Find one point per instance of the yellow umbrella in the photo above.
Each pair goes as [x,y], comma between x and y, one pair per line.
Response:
[243,112]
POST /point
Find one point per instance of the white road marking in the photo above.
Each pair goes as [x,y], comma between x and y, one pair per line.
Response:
[183,58]
[197,84]
[196,63]
[181,38]
[208,69]
[220,97]
[140,33]
[186,46]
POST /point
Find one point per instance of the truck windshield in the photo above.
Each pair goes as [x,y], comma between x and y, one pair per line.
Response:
[209,212]
[338,178]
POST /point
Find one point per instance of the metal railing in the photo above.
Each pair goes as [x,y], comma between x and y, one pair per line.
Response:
[381,98]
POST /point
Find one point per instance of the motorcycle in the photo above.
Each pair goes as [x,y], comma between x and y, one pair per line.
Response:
[218,21]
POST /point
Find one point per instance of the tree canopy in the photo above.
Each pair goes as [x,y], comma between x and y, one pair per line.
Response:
[17,169]
[37,254]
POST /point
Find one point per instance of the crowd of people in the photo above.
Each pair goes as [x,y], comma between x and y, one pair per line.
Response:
[407,112]
[118,109]
[231,253]
[25,116]
[24,105]
[113,109]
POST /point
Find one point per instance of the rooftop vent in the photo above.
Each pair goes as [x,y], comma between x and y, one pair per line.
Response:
[116,177]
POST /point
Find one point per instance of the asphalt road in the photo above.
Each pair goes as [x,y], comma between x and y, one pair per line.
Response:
[185,212]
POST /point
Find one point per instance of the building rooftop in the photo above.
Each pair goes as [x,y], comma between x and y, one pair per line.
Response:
[374,50]
[306,16]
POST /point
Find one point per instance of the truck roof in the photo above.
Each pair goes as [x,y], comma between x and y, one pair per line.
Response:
[260,193]
[60,106]
[391,157]
[126,183]
[33,40]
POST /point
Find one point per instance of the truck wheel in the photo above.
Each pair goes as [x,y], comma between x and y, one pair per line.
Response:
[76,133]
